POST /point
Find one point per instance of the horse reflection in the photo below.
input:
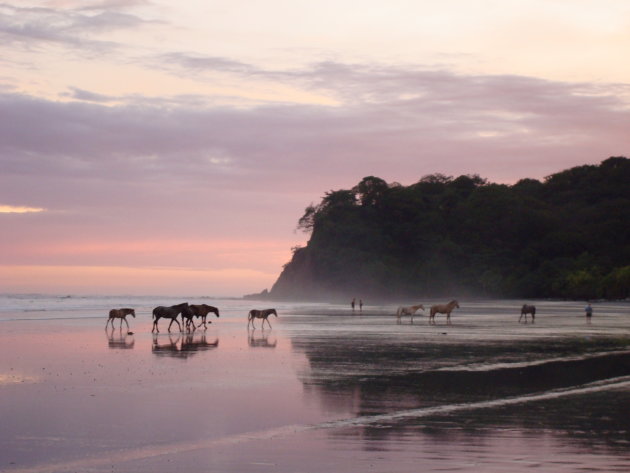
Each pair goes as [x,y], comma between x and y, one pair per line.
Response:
[182,346]
[119,339]
[193,343]
[260,341]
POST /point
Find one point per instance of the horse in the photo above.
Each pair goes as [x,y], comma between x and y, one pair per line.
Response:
[260,314]
[411,310]
[528,309]
[171,312]
[187,319]
[202,311]
[443,309]
[120,314]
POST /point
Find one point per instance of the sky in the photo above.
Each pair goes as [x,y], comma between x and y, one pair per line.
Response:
[170,147]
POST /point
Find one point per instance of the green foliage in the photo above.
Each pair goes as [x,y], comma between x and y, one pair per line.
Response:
[567,236]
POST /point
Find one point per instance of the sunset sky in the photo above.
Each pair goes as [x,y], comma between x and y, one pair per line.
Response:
[170,147]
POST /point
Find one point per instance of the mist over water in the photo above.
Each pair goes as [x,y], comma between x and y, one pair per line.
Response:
[325,389]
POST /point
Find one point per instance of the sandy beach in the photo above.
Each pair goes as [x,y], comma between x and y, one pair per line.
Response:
[324,390]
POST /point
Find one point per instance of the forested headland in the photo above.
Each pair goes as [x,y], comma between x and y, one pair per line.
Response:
[567,236]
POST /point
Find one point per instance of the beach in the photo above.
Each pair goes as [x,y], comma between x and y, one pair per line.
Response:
[324,389]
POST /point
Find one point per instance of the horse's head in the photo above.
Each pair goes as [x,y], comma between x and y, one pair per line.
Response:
[455,304]
[273,311]
[133,313]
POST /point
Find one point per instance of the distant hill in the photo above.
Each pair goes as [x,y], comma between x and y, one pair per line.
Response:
[567,236]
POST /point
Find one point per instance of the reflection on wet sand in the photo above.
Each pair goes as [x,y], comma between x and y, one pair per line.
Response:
[119,339]
[260,340]
[505,385]
[181,346]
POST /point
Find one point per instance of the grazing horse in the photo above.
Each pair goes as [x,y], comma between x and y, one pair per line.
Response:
[120,314]
[260,314]
[202,311]
[443,309]
[528,309]
[171,312]
[411,310]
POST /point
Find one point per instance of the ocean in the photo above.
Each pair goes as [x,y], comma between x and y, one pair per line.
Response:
[325,388]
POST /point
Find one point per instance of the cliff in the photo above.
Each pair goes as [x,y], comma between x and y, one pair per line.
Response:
[566,236]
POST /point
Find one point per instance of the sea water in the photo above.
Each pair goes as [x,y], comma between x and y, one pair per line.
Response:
[325,388]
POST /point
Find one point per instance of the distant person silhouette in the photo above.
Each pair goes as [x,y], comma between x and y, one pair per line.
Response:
[360,305]
[589,312]
[353,303]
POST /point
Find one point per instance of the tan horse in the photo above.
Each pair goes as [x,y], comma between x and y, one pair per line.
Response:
[411,310]
[260,314]
[120,314]
[443,309]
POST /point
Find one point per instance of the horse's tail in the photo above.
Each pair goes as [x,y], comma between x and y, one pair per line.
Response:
[154,313]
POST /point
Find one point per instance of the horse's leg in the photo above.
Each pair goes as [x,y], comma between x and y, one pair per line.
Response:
[267,319]
[174,319]
[155,325]
[125,319]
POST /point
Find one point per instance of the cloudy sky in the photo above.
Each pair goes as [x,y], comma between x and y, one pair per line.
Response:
[169,147]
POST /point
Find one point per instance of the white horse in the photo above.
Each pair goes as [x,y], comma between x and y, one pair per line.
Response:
[411,310]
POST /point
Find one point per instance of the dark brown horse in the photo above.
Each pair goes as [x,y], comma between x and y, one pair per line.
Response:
[443,309]
[187,319]
[120,314]
[528,309]
[260,314]
[171,312]
[202,310]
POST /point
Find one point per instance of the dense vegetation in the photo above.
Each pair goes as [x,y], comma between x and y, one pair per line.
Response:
[567,236]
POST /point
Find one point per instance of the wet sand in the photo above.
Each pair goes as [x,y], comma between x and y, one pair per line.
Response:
[324,390]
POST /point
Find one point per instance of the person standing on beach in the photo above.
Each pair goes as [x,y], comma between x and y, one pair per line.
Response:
[352,303]
[360,305]
[589,312]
